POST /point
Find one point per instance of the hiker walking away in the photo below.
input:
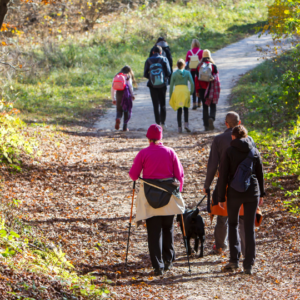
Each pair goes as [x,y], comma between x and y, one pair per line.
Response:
[122,95]
[208,88]
[166,51]
[180,96]
[193,57]
[219,145]
[160,165]
[241,151]
[157,70]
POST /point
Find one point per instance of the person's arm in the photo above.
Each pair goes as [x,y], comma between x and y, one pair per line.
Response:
[190,79]
[212,165]
[178,170]
[150,54]
[130,86]
[113,93]
[169,57]
[146,69]
[223,176]
[172,85]
[187,58]
[167,66]
[260,175]
[137,167]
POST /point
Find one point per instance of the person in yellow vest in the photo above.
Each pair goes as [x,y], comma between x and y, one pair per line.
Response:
[180,95]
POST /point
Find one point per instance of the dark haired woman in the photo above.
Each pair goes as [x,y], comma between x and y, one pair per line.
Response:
[166,51]
[240,148]
[180,96]
[124,104]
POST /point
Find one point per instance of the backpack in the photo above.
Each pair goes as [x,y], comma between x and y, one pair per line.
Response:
[157,76]
[194,60]
[205,72]
[119,82]
[242,177]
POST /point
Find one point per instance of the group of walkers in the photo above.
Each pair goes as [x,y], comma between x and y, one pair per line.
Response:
[196,76]
[231,153]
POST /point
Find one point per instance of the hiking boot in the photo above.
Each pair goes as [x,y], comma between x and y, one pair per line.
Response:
[194,107]
[217,251]
[231,266]
[248,271]
[158,272]
[179,129]
[117,125]
[186,127]
[125,127]
[168,266]
[211,124]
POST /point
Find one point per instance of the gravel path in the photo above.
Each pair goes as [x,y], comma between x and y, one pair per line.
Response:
[232,61]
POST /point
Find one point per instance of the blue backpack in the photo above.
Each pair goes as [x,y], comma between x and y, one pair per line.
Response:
[157,76]
[242,177]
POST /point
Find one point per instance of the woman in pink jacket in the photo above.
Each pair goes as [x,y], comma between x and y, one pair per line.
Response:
[158,162]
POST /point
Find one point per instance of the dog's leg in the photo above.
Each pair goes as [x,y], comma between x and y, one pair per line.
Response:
[202,239]
[189,245]
[196,247]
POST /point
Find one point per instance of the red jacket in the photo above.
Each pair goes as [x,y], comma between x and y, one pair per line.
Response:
[202,84]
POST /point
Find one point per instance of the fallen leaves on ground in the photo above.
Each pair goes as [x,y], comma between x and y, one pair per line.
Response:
[78,194]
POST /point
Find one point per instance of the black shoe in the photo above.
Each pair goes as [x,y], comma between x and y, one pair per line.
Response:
[158,272]
[168,266]
[206,128]
[231,266]
[248,271]
[211,124]
[194,107]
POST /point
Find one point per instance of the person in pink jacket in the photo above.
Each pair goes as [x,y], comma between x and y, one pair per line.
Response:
[159,162]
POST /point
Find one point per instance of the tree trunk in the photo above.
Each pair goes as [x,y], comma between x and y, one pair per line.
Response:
[3,10]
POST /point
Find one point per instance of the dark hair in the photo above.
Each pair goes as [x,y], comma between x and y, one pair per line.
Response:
[239,132]
[157,49]
[232,119]
[160,39]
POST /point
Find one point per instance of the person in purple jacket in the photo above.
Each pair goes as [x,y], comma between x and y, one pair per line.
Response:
[158,162]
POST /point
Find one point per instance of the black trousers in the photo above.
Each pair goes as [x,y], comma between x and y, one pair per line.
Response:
[119,96]
[158,96]
[193,73]
[161,240]
[213,109]
[179,114]
[233,208]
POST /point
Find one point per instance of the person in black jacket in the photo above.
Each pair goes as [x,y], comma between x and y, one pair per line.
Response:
[166,52]
[158,93]
[240,147]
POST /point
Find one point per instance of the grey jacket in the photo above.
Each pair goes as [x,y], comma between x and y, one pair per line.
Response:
[219,145]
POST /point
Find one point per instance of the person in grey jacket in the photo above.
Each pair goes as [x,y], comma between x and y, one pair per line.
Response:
[219,145]
[158,94]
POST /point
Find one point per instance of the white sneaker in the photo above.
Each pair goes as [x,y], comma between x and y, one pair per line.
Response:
[164,127]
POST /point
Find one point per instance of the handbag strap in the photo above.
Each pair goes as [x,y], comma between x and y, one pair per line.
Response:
[154,185]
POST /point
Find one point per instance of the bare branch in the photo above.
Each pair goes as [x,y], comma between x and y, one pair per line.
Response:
[5,63]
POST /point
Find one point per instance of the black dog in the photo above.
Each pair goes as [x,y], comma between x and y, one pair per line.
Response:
[194,229]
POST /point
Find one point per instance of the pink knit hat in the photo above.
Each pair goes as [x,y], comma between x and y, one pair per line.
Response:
[154,132]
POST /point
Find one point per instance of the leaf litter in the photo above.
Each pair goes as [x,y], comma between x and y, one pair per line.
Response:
[78,194]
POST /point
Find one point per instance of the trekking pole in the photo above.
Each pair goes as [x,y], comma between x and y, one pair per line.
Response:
[201,201]
[133,190]
[185,242]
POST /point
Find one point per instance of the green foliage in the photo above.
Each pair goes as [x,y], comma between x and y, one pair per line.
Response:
[40,259]
[74,76]
[13,141]
[269,95]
